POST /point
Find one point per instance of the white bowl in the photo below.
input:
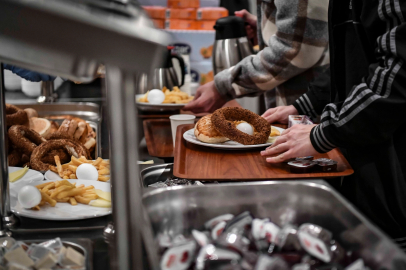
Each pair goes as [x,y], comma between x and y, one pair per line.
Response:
[31,89]
[12,82]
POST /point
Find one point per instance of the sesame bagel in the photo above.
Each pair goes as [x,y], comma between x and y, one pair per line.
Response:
[223,121]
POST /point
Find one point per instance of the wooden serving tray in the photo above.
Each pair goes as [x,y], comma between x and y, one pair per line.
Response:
[158,136]
[204,163]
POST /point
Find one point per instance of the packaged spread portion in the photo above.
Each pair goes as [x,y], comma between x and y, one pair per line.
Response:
[183,3]
[211,13]
[180,24]
[178,13]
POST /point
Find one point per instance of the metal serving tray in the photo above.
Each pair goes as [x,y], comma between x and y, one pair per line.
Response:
[177,210]
[158,173]
[155,174]
[87,111]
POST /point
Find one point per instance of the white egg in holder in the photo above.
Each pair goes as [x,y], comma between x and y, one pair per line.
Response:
[87,172]
[246,128]
[156,96]
[29,196]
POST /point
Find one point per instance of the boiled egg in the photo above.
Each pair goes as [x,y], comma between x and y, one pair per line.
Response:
[29,196]
[246,128]
[156,96]
[87,172]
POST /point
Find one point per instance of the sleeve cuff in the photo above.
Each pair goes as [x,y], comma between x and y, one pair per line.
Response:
[320,141]
[304,106]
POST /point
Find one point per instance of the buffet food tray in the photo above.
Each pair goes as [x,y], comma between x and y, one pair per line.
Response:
[158,173]
[208,164]
[87,111]
[154,174]
[178,210]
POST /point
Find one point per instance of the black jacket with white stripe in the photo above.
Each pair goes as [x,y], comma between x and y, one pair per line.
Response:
[368,76]
[367,116]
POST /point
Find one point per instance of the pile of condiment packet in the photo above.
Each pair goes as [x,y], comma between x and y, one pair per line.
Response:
[52,254]
[244,242]
[299,119]
[170,182]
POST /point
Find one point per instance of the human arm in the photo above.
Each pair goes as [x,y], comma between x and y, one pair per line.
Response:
[298,44]
[29,75]
[374,109]
[311,103]
[207,99]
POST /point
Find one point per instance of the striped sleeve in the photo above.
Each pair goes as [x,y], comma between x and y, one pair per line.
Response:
[300,42]
[376,107]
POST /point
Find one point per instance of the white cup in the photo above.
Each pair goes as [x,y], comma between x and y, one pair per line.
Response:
[180,119]
[31,89]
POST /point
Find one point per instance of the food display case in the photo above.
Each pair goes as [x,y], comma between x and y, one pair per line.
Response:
[178,210]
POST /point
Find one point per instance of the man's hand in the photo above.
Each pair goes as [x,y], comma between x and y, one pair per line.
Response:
[293,142]
[279,114]
[251,28]
[207,99]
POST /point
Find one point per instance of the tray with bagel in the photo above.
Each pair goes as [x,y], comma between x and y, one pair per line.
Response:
[33,140]
[200,151]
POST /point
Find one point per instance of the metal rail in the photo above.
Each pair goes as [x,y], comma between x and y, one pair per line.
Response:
[7,219]
[69,38]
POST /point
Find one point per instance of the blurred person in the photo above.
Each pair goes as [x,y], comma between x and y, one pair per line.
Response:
[29,75]
[294,41]
[235,5]
[362,107]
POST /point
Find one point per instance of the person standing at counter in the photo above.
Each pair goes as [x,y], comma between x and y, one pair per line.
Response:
[366,118]
[294,41]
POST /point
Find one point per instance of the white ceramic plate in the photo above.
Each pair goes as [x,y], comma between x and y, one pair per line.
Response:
[229,145]
[50,175]
[144,106]
[30,176]
[62,211]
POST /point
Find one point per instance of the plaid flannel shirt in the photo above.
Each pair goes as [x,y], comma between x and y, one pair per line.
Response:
[294,38]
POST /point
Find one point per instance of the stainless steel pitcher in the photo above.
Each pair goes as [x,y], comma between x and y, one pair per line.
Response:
[231,44]
[165,76]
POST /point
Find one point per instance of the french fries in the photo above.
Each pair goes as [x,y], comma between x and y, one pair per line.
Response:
[103,178]
[70,193]
[171,97]
[64,191]
[82,200]
[59,190]
[68,170]
[97,162]
[48,199]
[58,166]
[72,201]
[72,168]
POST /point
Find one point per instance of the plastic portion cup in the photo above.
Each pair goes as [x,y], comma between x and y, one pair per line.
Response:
[180,119]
